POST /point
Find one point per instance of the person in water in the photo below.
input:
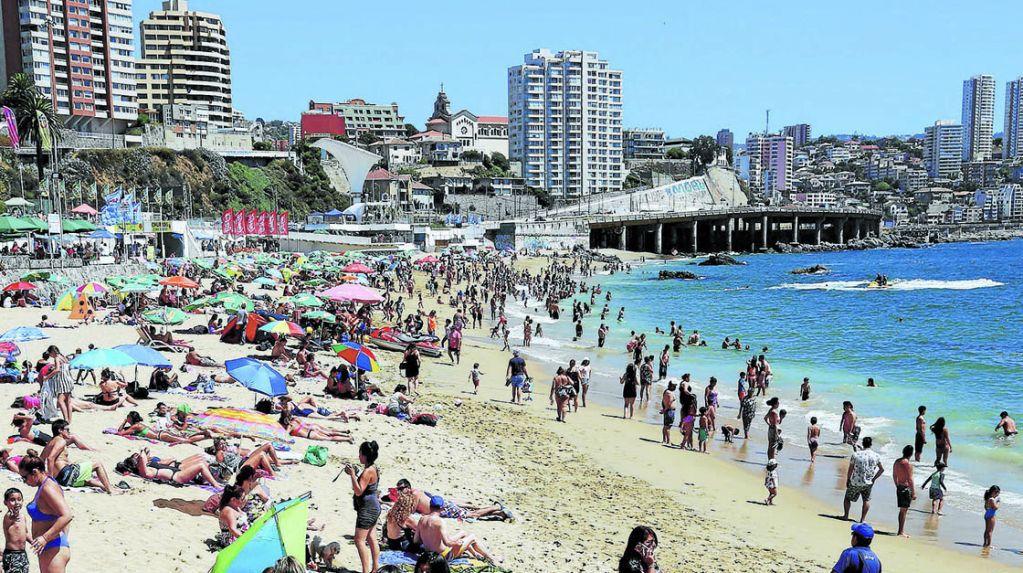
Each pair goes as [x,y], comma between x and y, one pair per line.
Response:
[990,510]
[1006,424]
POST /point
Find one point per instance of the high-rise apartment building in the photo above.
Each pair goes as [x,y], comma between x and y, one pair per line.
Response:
[80,53]
[185,60]
[800,134]
[770,163]
[1012,135]
[725,138]
[978,117]
[943,148]
[643,143]
[565,122]
[380,120]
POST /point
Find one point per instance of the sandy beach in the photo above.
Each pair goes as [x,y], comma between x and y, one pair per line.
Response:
[576,489]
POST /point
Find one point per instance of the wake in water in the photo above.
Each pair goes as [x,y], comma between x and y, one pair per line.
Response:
[913,284]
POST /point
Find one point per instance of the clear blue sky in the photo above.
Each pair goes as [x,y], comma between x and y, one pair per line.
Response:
[875,67]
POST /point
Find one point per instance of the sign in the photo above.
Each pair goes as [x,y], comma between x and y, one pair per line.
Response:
[225,222]
[53,222]
[239,223]
[161,226]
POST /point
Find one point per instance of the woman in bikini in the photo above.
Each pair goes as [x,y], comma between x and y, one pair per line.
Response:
[110,391]
[942,441]
[233,521]
[311,431]
[169,470]
[400,526]
[133,426]
[50,517]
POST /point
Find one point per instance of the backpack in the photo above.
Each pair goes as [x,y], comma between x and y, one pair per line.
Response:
[425,419]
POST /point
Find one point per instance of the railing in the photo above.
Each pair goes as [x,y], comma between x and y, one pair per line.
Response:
[733,211]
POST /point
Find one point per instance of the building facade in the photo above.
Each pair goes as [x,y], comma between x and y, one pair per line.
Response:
[800,134]
[726,138]
[1012,134]
[643,143]
[80,54]
[487,134]
[943,143]
[382,121]
[314,125]
[770,164]
[185,60]
[978,117]
[565,122]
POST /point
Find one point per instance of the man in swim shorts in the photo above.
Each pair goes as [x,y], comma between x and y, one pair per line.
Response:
[1006,424]
[864,469]
[517,374]
[67,474]
[921,433]
[668,411]
[905,489]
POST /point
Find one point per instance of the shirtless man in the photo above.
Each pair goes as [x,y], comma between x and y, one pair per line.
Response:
[668,410]
[813,436]
[430,533]
[1006,424]
[68,474]
[921,433]
[848,425]
[905,490]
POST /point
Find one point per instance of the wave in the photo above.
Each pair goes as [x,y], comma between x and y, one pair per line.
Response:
[897,285]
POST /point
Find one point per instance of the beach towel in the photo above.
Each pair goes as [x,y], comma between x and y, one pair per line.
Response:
[407,561]
[113,432]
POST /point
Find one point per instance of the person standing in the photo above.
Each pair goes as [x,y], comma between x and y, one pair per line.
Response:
[561,391]
[668,413]
[455,346]
[864,469]
[50,516]
[859,558]
[773,420]
[942,441]
[662,371]
[412,363]
[63,384]
[516,376]
[629,381]
[367,506]
[921,433]
[991,502]
[905,489]
[584,378]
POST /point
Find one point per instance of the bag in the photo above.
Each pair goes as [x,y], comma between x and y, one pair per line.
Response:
[402,365]
[315,456]
[425,419]
[137,391]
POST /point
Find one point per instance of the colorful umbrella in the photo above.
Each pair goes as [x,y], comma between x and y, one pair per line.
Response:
[283,327]
[275,534]
[257,376]
[428,259]
[20,285]
[357,355]
[357,268]
[320,315]
[101,358]
[353,292]
[179,282]
[306,299]
[165,315]
[9,350]
[93,289]
[23,334]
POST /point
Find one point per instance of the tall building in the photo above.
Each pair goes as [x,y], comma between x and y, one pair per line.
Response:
[382,121]
[565,122]
[1012,135]
[800,134]
[185,60]
[978,117]
[943,144]
[770,163]
[725,138]
[643,143]
[80,54]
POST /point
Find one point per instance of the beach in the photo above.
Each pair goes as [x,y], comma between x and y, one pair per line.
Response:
[576,489]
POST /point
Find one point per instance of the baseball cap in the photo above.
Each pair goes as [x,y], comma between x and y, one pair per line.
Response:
[436,501]
[864,530]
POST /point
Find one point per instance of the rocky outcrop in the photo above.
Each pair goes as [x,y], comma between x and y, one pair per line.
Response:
[814,270]
[719,259]
[684,275]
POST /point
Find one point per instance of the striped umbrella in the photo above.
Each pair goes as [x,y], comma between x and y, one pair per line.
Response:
[357,355]
[245,422]
[93,289]
[283,327]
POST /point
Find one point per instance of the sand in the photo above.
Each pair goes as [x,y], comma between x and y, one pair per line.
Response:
[577,489]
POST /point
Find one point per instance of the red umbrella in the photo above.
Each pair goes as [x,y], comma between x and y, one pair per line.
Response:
[428,259]
[357,267]
[20,285]
[180,282]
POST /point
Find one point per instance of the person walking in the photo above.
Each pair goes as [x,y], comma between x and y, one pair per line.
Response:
[864,469]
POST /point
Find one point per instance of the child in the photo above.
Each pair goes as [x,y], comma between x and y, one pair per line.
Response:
[687,432]
[771,481]
[474,376]
[813,434]
[15,558]
[728,432]
[704,428]
[937,489]
[990,510]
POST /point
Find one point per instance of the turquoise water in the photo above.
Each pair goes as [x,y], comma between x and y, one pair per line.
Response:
[948,334]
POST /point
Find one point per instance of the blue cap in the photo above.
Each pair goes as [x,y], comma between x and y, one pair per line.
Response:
[437,501]
[864,530]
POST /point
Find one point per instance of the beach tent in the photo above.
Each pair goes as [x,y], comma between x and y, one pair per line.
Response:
[18,202]
[275,534]
[84,209]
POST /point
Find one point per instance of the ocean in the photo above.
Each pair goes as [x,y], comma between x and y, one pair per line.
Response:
[948,334]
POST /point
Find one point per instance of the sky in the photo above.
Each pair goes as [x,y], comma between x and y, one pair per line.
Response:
[690,68]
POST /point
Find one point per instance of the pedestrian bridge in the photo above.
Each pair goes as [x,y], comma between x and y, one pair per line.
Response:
[731,228]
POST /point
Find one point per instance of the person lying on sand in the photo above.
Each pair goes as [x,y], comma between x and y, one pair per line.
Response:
[312,431]
[182,472]
[229,459]
[134,426]
[453,509]
[307,407]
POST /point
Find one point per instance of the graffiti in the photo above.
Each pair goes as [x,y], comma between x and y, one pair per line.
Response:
[504,242]
[694,185]
[534,244]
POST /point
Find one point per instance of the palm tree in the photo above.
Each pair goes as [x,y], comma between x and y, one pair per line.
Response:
[23,97]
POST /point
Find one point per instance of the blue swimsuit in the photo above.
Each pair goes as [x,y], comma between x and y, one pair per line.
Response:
[40,517]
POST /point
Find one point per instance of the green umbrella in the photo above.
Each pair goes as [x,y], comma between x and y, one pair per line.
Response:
[320,315]
[165,315]
[199,303]
[84,225]
[207,264]
[72,226]
[14,225]
[306,299]
[233,301]
[134,287]
[36,223]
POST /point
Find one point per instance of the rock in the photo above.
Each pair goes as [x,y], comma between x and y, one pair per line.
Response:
[783,247]
[720,259]
[814,270]
[684,275]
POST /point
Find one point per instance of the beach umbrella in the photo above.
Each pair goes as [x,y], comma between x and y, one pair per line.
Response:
[306,299]
[165,315]
[278,533]
[199,303]
[233,301]
[66,300]
[428,259]
[357,268]
[264,281]
[144,355]
[207,264]
[320,315]
[23,334]
[8,350]
[82,209]
[247,423]
[20,285]
[257,376]
[36,224]
[14,225]
[283,327]
[101,234]
[357,355]
[353,292]
[134,287]
[315,282]
[101,358]
[179,282]
[93,289]
[18,202]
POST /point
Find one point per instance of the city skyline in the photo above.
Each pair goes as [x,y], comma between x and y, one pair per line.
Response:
[849,92]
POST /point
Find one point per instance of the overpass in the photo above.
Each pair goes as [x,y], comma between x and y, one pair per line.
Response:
[730,229]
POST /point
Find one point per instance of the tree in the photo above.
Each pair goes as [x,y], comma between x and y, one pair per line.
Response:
[410,130]
[704,150]
[472,155]
[261,146]
[367,138]
[22,97]
[728,155]
[501,162]
[676,153]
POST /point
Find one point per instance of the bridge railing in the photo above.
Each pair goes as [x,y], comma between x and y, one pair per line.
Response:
[732,212]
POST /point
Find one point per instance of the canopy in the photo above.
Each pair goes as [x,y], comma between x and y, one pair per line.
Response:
[353,292]
[83,209]
[18,202]
[257,376]
[334,213]
[101,234]
[101,358]
[357,268]
[275,534]
[144,355]
[9,224]
[180,282]
[23,334]
[36,223]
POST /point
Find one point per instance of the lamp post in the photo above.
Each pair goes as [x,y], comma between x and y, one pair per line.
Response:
[57,201]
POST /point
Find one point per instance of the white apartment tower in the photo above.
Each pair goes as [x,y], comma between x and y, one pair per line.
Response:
[978,117]
[1012,140]
[943,143]
[185,60]
[80,53]
[565,122]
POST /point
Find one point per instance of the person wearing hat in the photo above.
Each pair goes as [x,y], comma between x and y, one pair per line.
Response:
[516,375]
[859,558]
[771,481]
[432,536]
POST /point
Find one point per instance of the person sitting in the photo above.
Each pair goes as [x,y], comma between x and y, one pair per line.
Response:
[453,509]
[160,381]
[280,350]
[400,526]
[312,431]
[228,459]
[67,474]
[111,389]
[26,432]
[182,472]
[133,426]
[400,402]
[432,535]
[193,358]
[311,370]
[233,521]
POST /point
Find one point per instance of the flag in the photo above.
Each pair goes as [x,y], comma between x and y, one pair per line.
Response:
[45,137]
[157,195]
[239,222]
[12,127]
[225,223]
[93,193]
[282,226]
[250,223]
[168,197]
[77,194]
[271,223]
[264,223]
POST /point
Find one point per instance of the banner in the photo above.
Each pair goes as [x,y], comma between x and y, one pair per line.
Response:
[250,222]
[271,223]
[45,137]
[12,127]
[239,223]
[225,222]
[282,224]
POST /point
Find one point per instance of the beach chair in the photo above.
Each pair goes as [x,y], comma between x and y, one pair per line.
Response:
[146,340]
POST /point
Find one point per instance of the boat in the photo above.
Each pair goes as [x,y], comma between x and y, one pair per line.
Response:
[875,284]
[388,338]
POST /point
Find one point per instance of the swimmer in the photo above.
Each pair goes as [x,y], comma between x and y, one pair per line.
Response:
[1006,425]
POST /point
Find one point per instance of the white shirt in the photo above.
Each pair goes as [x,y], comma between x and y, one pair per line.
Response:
[864,464]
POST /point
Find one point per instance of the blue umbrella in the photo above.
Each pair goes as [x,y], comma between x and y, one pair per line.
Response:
[23,334]
[257,376]
[101,358]
[145,356]
[100,234]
